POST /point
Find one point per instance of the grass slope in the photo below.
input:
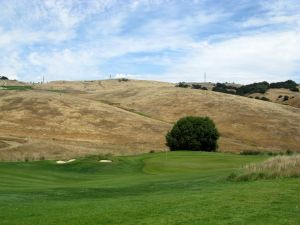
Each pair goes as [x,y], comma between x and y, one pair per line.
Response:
[277,95]
[59,125]
[64,119]
[173,188]
[244,123]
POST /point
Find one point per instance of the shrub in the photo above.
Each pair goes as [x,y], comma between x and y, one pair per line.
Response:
[199,86]
[196,86]
[224,88]
[272,153]
[123,80]
[295,89]
[285,98]
[264,98]
[182,85]
[3,78]
[289,152]
[193,133]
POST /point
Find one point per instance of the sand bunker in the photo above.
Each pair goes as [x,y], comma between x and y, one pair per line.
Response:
[64,162]
[105,161]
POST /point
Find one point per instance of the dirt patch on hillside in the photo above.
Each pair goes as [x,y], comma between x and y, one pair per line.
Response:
[3,144]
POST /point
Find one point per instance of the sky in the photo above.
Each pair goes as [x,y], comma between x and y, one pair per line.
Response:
[241,41]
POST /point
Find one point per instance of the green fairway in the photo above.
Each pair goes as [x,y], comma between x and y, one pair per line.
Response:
[16,88]
[173,188]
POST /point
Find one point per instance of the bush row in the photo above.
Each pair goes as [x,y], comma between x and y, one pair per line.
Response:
[260,87]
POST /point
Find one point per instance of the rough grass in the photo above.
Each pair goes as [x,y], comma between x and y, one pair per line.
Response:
[275,167]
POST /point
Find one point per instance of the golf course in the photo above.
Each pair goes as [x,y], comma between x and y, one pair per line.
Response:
[180,187]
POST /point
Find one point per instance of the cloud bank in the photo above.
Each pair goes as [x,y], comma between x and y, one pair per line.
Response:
[169,40]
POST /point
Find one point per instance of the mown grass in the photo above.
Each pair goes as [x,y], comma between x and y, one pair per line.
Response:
[16,88]
[159,188]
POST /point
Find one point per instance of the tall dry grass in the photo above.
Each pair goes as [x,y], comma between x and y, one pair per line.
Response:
[275,167]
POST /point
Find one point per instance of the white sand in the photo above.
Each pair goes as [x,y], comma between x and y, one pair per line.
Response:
[105,161]
[64,162]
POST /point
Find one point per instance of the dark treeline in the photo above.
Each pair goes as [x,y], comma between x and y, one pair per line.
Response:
[289,84]
[260,87]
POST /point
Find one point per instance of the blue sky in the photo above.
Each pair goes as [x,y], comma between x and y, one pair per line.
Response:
[169,40]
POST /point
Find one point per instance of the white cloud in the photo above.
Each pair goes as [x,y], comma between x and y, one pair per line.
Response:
[72,39]
[278,12]
[273,20]
[122,75]
[267,56]
[16,37]
[66,64]
[69,13]
[11,65]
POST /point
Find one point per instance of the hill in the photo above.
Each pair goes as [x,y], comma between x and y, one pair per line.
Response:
[68,119]
[280,95]
[286,92]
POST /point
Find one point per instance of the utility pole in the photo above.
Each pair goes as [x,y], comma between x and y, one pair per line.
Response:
[205,82]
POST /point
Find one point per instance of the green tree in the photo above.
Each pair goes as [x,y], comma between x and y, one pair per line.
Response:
[193,133]
[3,78]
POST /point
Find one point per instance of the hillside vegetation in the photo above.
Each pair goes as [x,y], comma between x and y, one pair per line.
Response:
[280,95]
[69,119]
[289,90]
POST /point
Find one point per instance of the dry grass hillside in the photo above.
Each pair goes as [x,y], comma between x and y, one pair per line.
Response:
[277,96]
[69,119]
[11,83]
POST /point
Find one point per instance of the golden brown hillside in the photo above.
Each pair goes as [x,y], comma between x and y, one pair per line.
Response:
[277,96]
[68,119]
